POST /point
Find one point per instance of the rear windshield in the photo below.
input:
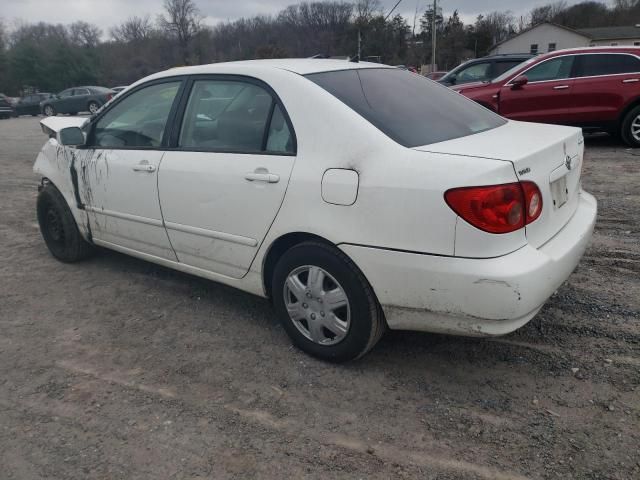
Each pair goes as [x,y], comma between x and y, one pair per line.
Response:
[407,107]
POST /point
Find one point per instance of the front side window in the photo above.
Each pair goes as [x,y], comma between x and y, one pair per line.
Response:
[474,73]
[139,120]
[606,64]
[233,116]
[555,69]
[80,91]
[408,108]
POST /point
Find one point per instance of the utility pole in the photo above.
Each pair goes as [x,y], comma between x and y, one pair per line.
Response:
[359,45]
[433,35]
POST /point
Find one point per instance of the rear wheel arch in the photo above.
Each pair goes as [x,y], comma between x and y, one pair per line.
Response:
[278,247]
[627,108]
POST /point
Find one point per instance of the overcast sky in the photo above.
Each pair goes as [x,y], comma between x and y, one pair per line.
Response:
[107,13]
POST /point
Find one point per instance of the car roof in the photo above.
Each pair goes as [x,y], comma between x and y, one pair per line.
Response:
[302,66]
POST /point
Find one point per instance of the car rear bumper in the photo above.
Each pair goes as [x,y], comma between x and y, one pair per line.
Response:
[476,297]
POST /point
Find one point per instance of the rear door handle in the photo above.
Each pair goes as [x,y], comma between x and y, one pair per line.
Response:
[561,87]
[144,166]
[262,177]
[631,80]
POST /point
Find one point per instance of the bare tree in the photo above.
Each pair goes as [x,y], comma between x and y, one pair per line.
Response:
[134,29]
[182,21]
[84,34]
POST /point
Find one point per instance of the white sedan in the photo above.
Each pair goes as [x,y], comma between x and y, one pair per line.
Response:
[355,196]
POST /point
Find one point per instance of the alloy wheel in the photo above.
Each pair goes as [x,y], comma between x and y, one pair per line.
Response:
[635,128]
[317,305]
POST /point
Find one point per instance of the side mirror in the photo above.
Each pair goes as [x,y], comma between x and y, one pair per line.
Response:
[71,136]
[519,81]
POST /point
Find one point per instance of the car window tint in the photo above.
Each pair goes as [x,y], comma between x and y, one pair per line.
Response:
[138,120]
[501,67]
[474,73]
[606,64]
[554,69]
[409,108]
[225,116]
[280,139]
[80,91]
[66,93]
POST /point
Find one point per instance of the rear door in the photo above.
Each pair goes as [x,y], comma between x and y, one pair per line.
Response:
[79,100]
[118,171]
[222,183]
[546,98]
[604,83]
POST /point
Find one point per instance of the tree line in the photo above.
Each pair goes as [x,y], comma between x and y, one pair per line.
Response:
[50,57]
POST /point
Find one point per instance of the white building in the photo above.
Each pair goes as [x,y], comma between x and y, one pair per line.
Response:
[547,37]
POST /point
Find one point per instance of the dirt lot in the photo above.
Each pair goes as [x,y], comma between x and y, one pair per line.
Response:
[120,369]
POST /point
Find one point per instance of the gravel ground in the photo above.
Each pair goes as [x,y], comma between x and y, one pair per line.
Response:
[119,369]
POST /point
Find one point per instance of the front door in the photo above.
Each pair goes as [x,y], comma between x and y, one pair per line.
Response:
[547,97]
[118,171]
[223,182]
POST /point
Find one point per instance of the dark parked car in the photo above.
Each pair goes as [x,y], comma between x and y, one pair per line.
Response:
[30,104]
[483,69]
[77,99]
[6,110]
[596,88]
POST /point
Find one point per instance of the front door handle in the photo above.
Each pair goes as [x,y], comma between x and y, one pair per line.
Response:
[144,166]
[262,177]
[561,87]
[631,80]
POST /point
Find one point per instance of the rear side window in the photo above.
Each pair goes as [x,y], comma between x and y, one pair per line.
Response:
[138,120]
[407,107]
[233,116]
[502,66]
[554,69]
[478,72]
[606,64]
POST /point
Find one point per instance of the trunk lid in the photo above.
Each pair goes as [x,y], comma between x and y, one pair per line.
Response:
[549,155]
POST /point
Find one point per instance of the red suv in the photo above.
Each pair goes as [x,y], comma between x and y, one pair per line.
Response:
[594,88]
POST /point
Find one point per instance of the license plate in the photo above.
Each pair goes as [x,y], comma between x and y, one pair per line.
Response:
[559,192]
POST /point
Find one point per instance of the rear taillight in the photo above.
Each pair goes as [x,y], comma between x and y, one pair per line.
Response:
[497,208]
[109,96]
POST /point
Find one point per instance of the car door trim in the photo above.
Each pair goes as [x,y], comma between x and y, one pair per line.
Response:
[203,232]
[125,216]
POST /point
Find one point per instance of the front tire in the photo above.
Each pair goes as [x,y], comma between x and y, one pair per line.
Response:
[630,128]
[58,227]
[325,303]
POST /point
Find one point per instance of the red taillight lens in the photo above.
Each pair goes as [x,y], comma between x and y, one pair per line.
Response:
[497,208]
[109,96]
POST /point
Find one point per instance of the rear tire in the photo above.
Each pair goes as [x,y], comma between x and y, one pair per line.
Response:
[336,318]
[93,107]
[630,128]
[59,229]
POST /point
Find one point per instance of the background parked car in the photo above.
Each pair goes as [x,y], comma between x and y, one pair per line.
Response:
[6,110]
[596,88]
[483,69]
[77,99]
[30,104]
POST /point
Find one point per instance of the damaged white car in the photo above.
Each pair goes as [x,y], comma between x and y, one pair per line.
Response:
[357,197]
